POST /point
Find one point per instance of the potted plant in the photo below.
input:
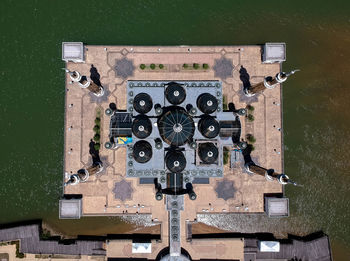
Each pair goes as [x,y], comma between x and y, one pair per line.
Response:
[152,66]
[142,66]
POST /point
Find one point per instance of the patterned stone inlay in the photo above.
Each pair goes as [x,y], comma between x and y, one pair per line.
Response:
[223,68]
[124,68]
[123,190]
[225,189]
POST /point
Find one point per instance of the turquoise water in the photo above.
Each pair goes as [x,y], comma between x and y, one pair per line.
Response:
[316,100]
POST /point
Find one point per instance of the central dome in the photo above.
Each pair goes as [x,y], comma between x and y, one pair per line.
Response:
[176,127]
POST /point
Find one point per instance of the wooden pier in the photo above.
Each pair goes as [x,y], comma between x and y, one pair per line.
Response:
[30,242]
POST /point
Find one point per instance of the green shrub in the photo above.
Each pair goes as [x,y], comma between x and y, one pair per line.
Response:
[142,66]
[18,254]
[97,146]
[97,137]
[161,66]
[97,128]
[250,117]
[224,102]
[98,113]
[153,66]
[196,66]
[226,155]
[205,66]
[251,138]
[250,108]
[97,121]
[185,65]
[45,234]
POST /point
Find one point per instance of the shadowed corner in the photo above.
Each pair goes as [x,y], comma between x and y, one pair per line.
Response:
[94,75]
[245,77]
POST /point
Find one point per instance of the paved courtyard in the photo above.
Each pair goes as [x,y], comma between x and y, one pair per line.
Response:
[241,192]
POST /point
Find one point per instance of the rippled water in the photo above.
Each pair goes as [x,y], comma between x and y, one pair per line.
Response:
[316,100]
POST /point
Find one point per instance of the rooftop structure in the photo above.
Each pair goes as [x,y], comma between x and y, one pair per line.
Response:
[274,52]
[70,209]
[277,207]
[73,52]
[146,125]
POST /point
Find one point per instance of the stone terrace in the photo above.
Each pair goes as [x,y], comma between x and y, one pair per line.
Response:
[81,106]
[224,65]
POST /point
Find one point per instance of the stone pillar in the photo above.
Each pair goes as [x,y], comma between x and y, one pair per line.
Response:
[268,83]
[85,82]
[269,174]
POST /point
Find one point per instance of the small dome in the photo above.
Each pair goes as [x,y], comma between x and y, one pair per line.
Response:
[207,103]
[175,93]
[209,127]
[142,151]
[142,103]
[175,161]
[141,126]
[208,153]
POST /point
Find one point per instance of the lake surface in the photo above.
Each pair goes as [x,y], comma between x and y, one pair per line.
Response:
[316,100]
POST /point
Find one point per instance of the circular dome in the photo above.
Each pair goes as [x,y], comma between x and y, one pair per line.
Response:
[209,127]
[176,127]
[175,161]
[208,152]
[175,93]
[142,103]
[141,127]
[142,151]
[207,103]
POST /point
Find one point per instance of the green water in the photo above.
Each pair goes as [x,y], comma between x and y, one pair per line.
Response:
[316,100]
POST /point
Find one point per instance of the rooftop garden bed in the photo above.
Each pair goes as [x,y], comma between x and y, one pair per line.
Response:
[152,67]
[195,66]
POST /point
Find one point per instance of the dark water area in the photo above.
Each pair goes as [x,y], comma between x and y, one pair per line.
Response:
[316,99]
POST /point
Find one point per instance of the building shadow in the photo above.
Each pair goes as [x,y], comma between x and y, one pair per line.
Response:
[94,75]
[246,154]
[245,77]
[94,153]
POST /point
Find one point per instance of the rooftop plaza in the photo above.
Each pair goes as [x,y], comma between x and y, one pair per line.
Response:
[173,131]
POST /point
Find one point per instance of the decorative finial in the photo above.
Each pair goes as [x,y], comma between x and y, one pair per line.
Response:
[292,72]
